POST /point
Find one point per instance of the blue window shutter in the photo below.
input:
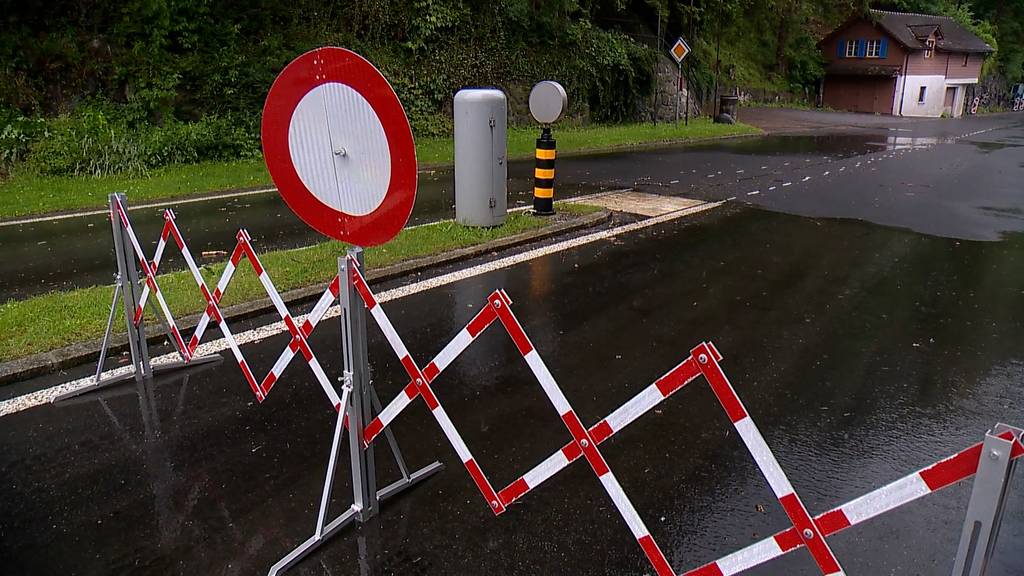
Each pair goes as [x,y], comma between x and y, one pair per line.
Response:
[883,50]
[862,48]
[841,50]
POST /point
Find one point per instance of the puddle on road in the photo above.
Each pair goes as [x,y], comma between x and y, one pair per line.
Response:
[77,252]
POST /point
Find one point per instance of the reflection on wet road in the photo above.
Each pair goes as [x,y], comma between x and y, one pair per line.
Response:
[858,369]
[64,254]
[871,328]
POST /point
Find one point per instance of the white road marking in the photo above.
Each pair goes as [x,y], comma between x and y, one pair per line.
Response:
[784,184]
[806,178]
[770,188]
[26,401]
[754,193]
[144,206]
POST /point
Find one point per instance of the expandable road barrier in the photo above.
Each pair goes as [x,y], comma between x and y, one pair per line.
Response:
[298,343]
[928,480]
[127,287]
[703,361]
[993,461]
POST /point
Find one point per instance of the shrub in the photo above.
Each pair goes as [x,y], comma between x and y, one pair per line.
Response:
[96,142]
[16,135]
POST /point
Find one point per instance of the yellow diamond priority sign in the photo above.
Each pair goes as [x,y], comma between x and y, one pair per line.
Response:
[679,50]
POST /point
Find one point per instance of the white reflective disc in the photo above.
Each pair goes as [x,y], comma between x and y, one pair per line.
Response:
[339,149]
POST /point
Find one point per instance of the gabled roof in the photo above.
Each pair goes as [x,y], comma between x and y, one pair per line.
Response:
[911,30]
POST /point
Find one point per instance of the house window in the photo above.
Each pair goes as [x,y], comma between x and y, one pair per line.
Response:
[920,94]
[929,48]
[874,49]
[966,58]
[851,48]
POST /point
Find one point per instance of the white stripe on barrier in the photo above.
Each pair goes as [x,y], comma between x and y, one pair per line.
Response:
[393,409]
[452,434]
[749,557]
[452,350]
[546,469]
[637,406]
[625,507]
[547,382]
[884,499]
[389,332]
[764,458]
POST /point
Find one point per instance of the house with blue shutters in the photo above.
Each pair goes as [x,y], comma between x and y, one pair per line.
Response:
[901,64]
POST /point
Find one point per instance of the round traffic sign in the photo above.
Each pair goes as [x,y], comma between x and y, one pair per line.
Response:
[338,146]
[547,101]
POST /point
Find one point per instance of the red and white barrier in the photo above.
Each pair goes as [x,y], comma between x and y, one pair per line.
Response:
[585,441]
[806,531]
[243,249]
[151,284]
[928,480]
[419,380]
[300,335]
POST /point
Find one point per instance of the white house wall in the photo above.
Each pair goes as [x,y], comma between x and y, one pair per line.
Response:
[961,85]
[934,95]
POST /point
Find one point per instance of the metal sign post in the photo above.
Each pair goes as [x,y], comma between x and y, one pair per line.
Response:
[357,399]
[988,500]
[357,373]
[679,51]
[548,101]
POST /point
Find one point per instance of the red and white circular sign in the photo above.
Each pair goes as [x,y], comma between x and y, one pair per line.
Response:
[339,148]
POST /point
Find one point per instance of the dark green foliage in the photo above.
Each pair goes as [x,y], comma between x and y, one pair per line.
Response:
[133,85]
[95,142]
[130,85]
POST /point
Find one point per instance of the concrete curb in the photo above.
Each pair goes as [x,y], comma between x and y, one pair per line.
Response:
[77,354]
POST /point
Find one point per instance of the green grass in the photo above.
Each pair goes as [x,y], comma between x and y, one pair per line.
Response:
[25,194]
[522,141]
[63,318]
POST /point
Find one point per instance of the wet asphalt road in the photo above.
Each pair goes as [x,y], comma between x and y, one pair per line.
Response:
[77,252]
[870,328]
[64,254]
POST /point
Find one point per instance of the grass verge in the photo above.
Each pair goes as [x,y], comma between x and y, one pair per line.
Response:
[27,194]
[59,319]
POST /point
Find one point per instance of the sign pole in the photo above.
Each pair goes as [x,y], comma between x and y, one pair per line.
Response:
[686,112]
[356,369]
[679,51]
[679,73]
[130,292]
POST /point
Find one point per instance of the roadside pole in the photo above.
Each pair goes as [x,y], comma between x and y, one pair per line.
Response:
[686,111]
[679,85]
[679,51]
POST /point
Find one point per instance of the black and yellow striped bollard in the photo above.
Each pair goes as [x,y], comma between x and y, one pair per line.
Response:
[544,175]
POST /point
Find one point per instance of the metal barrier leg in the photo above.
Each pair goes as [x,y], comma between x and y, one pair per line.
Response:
[358,398]
[353,342]
[129,289]
[988,499]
